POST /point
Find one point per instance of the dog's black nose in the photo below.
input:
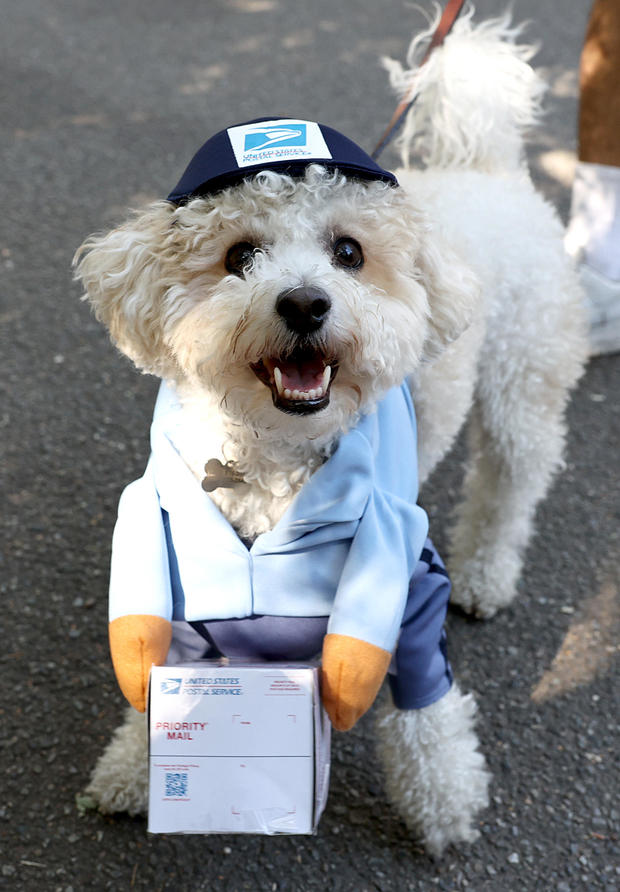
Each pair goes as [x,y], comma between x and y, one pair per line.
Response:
[304,309]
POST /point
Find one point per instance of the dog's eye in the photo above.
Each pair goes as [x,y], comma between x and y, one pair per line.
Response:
[348,253]
[240,257]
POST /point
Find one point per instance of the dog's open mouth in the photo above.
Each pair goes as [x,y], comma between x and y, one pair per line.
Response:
[299,383]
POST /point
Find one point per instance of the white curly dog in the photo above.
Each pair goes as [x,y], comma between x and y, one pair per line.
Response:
[456,281]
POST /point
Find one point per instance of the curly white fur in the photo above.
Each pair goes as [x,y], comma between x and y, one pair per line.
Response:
[477,96]
[160,285]
[465,288]
[434,773]
[120,781]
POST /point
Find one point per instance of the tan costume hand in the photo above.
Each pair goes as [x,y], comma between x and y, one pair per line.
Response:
[138,642]
[351,675]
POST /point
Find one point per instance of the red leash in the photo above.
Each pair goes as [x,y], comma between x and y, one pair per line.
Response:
[447,20]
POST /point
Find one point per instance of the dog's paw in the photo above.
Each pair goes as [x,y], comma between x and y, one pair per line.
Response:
[119,782]
[484,584]
[467,599]
[117,795]
[435,775]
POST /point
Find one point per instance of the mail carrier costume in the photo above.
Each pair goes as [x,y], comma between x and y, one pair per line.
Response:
[350,556]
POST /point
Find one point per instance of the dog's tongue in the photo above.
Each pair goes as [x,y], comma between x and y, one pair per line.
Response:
[302,374]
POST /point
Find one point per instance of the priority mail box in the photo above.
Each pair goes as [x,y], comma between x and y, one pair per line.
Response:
[236,748]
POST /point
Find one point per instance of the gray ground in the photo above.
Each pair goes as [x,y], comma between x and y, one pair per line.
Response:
[104,105]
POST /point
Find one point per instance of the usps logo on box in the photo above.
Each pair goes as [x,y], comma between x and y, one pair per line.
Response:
[281,140]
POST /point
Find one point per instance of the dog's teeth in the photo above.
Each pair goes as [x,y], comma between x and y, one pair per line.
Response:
[312,394]
[326,377]
[277,377]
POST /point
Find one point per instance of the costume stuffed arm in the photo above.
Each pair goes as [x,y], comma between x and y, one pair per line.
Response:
[140,638]
[362,633]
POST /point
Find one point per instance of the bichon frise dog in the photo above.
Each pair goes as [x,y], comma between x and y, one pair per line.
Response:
[295,297]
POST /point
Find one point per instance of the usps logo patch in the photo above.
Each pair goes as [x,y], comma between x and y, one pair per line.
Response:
[171,686]
[283,140]
[269,137]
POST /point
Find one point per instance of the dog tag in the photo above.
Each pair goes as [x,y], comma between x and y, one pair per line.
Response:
[218,475]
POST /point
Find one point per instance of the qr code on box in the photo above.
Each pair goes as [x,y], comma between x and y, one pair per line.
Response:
[176,784]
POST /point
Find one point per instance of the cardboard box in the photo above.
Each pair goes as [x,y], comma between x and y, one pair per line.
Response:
[236,748]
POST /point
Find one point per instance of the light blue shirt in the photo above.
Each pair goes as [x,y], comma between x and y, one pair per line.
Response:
[346,547]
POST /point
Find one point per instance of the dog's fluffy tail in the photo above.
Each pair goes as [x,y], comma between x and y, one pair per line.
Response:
[477,96]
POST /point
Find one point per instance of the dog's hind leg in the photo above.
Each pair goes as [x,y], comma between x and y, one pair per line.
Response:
[119,782]
[516,438]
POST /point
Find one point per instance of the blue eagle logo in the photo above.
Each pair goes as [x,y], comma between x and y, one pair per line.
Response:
[268,137]
[170,686]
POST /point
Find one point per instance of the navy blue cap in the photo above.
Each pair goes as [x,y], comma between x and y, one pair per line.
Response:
[287,145]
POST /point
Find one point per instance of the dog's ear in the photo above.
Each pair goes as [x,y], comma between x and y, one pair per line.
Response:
[123,277]
[452,289]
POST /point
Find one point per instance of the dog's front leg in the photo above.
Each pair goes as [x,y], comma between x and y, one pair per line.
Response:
[119,782]
[435,775]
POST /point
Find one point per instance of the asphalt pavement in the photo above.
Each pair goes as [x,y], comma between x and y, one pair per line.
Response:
[104,103]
